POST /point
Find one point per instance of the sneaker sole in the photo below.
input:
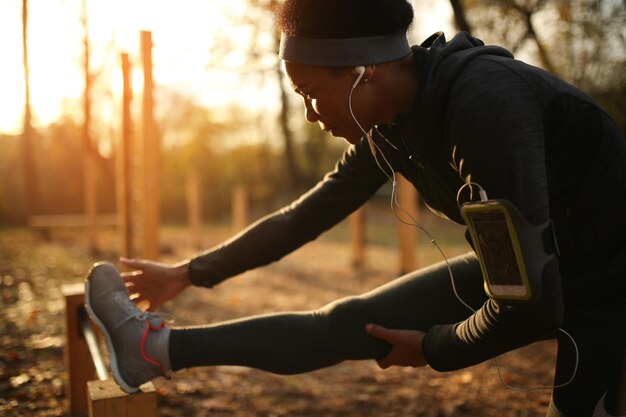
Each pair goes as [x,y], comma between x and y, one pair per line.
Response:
[112,355]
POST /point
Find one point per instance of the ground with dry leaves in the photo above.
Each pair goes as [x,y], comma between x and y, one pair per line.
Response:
[32,375]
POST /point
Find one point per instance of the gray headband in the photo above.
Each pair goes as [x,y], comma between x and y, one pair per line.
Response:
[344,52]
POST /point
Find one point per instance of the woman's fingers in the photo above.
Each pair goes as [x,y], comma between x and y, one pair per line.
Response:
[135,264]
[406,346]
[130,276]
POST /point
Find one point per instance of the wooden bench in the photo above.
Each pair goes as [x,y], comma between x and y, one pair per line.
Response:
[87,395]
[43,223]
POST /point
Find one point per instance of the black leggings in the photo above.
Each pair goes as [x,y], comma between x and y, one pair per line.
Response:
[297,342]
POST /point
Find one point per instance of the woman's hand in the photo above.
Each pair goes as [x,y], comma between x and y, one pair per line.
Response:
[406,347]
[151,284]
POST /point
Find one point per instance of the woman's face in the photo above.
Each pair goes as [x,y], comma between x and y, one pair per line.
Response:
[325,92]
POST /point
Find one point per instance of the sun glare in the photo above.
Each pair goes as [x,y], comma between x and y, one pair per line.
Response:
[11,87]
[182,34]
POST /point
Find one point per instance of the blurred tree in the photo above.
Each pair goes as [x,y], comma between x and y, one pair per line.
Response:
[90,153]
[60,171]
[319,152]
[581,41]
[261,62]
[31,180]
[62,167]
[459,16]
[191,138]
[11,186]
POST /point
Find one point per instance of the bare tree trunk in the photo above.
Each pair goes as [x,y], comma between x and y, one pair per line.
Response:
[90,192]
[31,181]
[459,16]
[151,155]
[527,14]
[543,53]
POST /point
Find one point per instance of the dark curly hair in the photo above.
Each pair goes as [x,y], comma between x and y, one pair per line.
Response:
[335,19]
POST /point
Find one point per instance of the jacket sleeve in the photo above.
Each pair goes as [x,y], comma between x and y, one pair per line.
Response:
[354,180]
[496,132]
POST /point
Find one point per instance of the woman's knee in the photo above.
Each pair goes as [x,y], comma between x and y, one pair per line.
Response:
[345,321]
[345,315]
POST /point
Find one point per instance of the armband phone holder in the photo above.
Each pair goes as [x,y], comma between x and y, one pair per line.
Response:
[512,252]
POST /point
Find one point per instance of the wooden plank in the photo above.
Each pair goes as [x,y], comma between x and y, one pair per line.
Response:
[97,398]
[78,362]
[91,200]
[240,208]
[194,209]
[106,399]
[69,220]
[407,233]
[123,159]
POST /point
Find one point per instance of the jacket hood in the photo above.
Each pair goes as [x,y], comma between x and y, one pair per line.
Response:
[439,62]
[445,59]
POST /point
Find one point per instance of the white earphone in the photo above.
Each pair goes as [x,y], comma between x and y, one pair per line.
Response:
[361,71]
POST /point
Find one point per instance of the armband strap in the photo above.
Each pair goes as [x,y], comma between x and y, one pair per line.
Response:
[512,252]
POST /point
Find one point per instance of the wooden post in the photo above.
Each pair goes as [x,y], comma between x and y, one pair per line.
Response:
[106,399]
[194,209]
[407,234]
[78,361]
[357,223]
[91,200]
[124,149]
[240,208]
[151,154]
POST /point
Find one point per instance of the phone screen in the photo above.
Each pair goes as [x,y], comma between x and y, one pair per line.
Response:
[496,249]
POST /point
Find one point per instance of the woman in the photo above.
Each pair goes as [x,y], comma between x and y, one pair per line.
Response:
[450,116]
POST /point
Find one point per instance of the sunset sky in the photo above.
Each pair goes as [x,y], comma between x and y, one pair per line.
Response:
[183,33]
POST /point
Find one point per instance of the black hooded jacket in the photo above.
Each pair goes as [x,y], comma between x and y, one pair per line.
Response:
[519,132]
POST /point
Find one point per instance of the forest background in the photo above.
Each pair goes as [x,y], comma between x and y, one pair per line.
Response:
[268,148]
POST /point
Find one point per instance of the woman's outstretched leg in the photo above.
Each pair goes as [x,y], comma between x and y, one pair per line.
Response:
[296,342]
[141,347]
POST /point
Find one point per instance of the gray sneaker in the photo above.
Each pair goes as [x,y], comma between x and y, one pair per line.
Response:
[126,328]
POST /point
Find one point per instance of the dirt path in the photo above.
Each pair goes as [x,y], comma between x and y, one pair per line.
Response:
[32,374]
